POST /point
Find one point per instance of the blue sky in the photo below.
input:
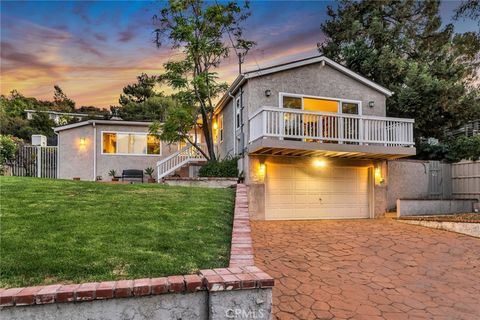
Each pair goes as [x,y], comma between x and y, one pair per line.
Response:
[93,49]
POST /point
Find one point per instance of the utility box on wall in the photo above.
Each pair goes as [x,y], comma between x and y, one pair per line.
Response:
[39,140]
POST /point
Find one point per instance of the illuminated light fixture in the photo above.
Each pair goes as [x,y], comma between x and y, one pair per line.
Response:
[82,141]
[319,163]
[378,175]
[215,125]
[261,169]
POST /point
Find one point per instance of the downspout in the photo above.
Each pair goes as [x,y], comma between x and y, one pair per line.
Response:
[234,119]
[94,152]
[58,154]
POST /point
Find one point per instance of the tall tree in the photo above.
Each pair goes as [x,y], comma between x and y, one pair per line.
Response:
[140,91]
[469,9]
[402,46]
[141,102]
[61,102]
[205,33]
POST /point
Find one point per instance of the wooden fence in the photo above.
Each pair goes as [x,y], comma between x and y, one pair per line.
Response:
[466,180]
[35,161]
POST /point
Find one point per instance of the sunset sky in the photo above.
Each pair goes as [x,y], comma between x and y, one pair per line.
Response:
[93,49]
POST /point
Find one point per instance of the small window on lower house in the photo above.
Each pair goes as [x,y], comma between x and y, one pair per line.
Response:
[109,143]
[153,144]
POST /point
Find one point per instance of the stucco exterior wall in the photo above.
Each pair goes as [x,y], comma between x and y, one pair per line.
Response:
[407,179]
[75,160]
[225,148]
[169,306]
[78,161]
[313,80]
[202,305]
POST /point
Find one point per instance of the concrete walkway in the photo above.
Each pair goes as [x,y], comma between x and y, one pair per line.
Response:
[368,269]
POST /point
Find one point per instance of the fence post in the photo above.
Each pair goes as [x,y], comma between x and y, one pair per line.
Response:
[39,161]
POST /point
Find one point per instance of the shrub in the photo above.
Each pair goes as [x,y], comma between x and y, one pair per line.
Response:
[452,150]
[222,168]
[8,147]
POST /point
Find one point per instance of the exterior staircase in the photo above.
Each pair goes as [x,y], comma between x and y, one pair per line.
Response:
[184,156]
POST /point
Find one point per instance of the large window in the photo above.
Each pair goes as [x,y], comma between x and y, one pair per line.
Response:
[130,143]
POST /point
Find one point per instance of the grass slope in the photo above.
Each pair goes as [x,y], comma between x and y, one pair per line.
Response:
[65,231]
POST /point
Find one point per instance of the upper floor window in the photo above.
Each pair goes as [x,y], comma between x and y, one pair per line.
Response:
[237,113]
[131,143]
[319,104]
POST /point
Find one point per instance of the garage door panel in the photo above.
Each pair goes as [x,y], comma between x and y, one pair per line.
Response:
[305,192]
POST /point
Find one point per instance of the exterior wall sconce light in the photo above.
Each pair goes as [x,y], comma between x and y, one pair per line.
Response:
[261,171]
[215,125]
[378,175]
[268,93]
[371,104]
[82,141]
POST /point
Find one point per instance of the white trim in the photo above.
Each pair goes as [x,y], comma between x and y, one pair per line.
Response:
[129,154]
[106,122]
[345,115]
[339,100]
[95,152]
[236,112]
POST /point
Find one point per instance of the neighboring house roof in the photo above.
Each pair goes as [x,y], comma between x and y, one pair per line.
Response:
[107,122]
[241,79]
[58,112]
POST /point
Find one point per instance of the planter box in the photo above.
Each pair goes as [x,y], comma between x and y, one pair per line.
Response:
[207,182]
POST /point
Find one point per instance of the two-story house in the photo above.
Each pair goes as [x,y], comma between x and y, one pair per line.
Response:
[312,137]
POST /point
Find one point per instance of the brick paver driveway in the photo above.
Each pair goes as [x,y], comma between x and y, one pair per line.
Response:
[368,269]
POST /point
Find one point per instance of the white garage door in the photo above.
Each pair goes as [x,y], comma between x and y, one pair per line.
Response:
[306,192]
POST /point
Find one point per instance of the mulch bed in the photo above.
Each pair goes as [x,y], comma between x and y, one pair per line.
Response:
[462,217]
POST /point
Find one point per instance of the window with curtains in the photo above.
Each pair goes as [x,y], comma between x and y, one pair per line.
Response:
[130,143]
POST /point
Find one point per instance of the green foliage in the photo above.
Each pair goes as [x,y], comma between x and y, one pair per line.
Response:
[201,31]
[453,150]
[8,148]
[222,168]
[153,108]
[149,172]
[403,46]
[140,91]
[13,116]
[56,231]
[61,102]
[112,173]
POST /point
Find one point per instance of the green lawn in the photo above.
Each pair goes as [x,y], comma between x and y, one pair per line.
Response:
[70,231]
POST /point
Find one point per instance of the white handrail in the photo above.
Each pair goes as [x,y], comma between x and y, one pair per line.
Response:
[326,127]
[342,115]
[170,164]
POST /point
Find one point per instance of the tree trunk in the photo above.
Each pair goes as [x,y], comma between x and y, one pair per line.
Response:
[207,132]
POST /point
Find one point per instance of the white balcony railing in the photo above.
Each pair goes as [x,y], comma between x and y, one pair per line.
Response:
[324,127]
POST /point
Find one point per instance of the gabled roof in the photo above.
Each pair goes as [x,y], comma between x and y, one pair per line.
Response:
[241,79]
[92,122]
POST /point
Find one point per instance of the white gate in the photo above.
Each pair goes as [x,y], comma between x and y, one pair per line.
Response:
[35,161]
